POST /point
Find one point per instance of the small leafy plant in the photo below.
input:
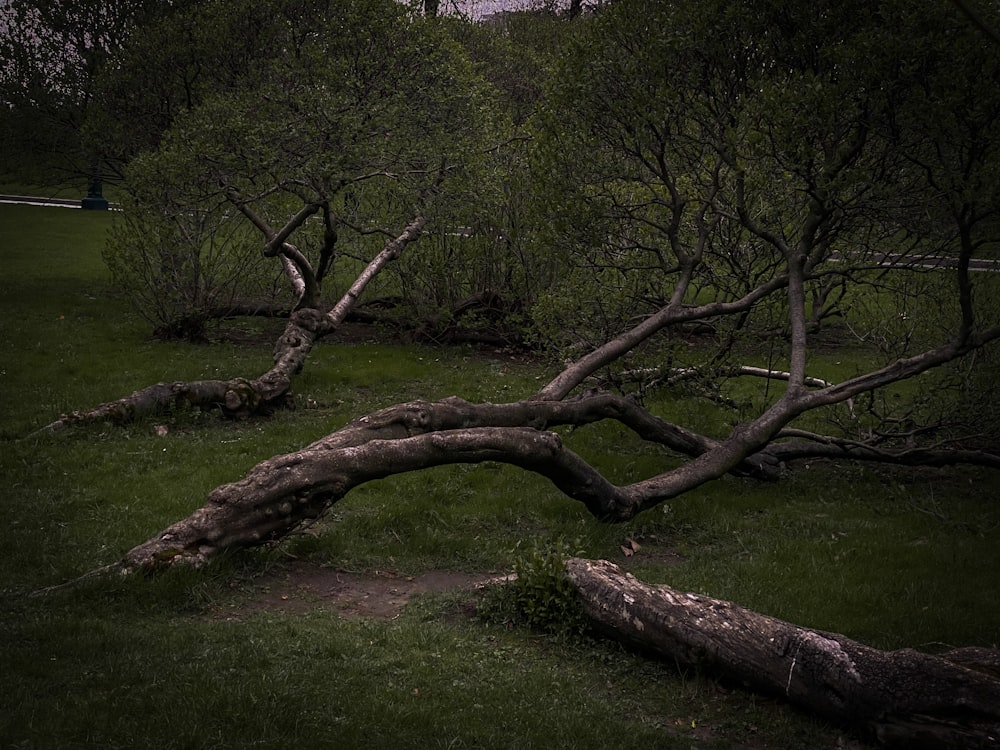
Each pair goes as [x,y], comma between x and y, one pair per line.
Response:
[540,595]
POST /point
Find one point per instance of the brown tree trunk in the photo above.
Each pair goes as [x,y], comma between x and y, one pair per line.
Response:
[903,698]
[242,397]
[284,492]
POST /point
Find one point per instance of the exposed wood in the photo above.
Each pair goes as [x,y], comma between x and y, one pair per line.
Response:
[903,698]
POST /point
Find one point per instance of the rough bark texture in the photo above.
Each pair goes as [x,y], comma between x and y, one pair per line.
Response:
[902,698]
[285,492]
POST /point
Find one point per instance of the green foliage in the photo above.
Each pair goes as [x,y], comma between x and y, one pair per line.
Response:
[356,107]
[181,268]
[53,52]
[540,594]
[679,156]
[479,266]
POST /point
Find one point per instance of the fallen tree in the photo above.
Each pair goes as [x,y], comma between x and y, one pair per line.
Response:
[243,397]
[903,698]
[283,493]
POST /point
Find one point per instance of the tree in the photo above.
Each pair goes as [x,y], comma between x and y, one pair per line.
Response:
[53,53]
[720,166]
[325,128]
[901,698]
[481,268]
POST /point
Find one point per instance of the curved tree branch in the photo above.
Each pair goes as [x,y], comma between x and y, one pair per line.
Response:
[901,369]
[284,492]
[671,314]
[241,397]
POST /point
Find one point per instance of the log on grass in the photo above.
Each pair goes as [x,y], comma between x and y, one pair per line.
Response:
[901,698]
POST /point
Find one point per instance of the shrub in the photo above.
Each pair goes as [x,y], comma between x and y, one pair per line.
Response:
[540,595]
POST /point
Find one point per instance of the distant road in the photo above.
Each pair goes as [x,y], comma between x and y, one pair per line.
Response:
[892,260]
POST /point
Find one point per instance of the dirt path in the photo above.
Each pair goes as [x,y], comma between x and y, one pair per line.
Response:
[299,587]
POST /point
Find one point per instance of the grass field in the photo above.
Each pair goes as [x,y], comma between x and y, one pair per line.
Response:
[194,660]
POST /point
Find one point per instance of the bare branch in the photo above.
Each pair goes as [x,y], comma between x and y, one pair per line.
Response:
[812,445]
[901,369]
[671,314]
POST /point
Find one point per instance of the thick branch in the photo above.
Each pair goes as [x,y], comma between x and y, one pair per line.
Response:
[419,417]
[300,273]
[904,698]
[390,252]
[152,400]
[284,492]
[295,277]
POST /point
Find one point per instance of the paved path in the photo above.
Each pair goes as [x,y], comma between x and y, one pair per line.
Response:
[29,200]
[884,259]
[35,201]
[931,261]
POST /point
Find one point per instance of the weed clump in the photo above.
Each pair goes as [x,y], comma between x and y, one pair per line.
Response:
[540,595]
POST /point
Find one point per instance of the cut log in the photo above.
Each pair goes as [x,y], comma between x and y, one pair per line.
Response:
[902,698]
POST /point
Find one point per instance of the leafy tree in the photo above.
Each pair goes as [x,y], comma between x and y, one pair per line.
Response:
[325,126]
[481,267]
[52,53]
[726,151]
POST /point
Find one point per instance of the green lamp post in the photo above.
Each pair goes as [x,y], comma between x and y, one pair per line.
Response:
[95,200]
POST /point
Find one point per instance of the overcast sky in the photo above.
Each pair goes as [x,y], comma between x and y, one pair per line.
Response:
[480,8]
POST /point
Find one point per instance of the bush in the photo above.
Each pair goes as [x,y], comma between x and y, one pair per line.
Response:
[182,268]
[540,596]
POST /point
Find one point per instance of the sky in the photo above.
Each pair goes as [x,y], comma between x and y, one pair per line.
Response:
[480,8]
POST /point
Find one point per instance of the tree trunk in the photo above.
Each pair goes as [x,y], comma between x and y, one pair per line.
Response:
[282,493]
[241,397]
[285,492]
[902,698]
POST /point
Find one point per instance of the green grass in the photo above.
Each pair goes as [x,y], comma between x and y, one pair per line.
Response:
[893,558]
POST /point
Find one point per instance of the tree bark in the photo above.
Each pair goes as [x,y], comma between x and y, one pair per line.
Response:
[286,492]
[902,698]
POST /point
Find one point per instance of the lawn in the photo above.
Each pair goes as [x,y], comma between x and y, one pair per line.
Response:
[260,651]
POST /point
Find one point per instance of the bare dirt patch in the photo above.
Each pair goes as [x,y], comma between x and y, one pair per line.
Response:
[297,587]
[300,587]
